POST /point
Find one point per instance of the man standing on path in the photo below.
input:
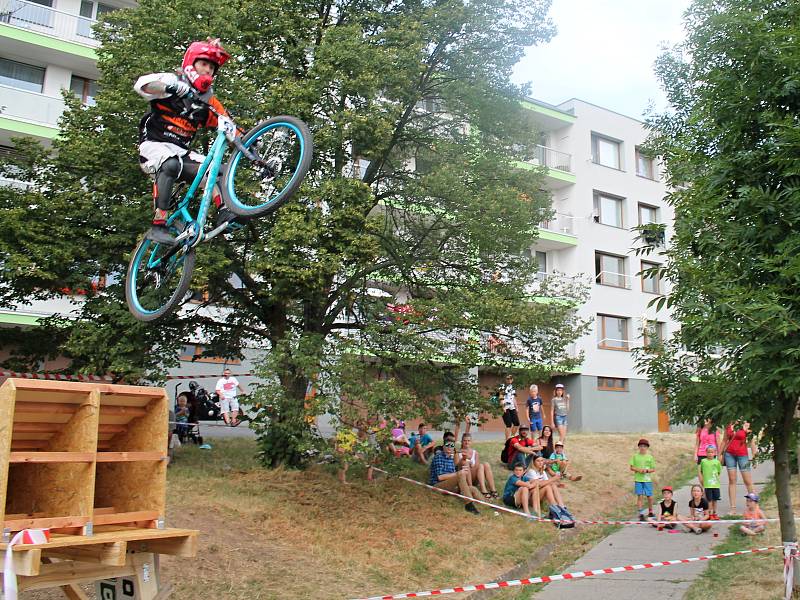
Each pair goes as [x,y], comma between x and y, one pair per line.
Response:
[227,386]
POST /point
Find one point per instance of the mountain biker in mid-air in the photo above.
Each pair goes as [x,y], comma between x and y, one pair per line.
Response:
[167,130]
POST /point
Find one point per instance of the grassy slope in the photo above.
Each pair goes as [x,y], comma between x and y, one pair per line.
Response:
[286,534]
[760,576]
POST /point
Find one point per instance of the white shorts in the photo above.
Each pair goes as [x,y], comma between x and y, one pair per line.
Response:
[227,405]
[155,153]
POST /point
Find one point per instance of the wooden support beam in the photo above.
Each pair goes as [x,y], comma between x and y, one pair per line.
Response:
[26,562]
[129,456]
[28,444]
[109,428]
[105,510]
[127,411]
[37,427]
[45,523]
[66,573]
[177,546]
[73,592]
[50,408]
[126,517]
[111,554]
[51,457]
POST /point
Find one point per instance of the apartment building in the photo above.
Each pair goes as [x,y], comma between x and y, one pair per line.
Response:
[602,186]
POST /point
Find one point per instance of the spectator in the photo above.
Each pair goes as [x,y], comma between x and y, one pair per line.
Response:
[558,466]
[548,490]
[643,465]
[447,436]
[705,435]
[669,509]
[182,415]
[509,405]
[535,411]
[421,445]
[362,445]
[559,410]
[753,512]
[698,511]
[546,442]
[481,472]
[227,387]
[734,449]
[444,476]
[399,446]
[518,491]
[709,471]
[522,449]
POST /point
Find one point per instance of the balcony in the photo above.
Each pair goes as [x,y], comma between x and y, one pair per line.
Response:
[609,278]
[553,159]
[557,233]
[30,108]
[54,27]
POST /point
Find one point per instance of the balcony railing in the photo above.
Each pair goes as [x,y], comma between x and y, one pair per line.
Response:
[619,280]
[560,223]
[553,159]
[30,106]
[43,19]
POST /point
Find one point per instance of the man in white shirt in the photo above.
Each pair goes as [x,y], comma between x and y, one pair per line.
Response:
[227,387]
[508,402]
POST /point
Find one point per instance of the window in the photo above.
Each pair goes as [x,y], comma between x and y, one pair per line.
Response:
[21,76]
[90,12]
[650,284]
[541,265]
[647,214]
[194,353]
[609,269]
[645,166]
[612,384]
[606,151]
[85,89]
[608,209]
[612,332]
[653,333]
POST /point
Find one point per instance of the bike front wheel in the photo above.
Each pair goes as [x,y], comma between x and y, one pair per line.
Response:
[253,189]
[158,279]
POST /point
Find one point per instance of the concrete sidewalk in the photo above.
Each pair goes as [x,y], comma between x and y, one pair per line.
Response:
[637,544]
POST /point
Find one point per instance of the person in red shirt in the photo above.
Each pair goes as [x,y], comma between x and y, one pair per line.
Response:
[734,449]
[522,449]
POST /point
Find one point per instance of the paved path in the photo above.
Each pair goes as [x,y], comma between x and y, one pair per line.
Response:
[637,544]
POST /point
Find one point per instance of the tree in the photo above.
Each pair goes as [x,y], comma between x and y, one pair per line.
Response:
[731,149]
[404,246]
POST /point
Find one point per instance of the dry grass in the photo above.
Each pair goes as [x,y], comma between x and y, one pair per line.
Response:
[760,576]
[288,534]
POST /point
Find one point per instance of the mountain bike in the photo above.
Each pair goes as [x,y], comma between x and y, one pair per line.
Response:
[267,166]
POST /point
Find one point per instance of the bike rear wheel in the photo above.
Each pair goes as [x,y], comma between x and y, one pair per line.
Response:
[252,190]
[158,279]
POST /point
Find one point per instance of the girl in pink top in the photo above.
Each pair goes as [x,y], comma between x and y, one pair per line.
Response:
[706,435]
[734,450]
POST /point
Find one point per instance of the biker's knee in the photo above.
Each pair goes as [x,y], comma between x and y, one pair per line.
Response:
[170,168]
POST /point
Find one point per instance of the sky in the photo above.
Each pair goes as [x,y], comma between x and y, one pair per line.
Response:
[603,52]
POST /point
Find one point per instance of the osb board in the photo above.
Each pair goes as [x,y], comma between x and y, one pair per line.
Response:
[56,490]
[80,432]
[6,419]
[132,486]
[143,434]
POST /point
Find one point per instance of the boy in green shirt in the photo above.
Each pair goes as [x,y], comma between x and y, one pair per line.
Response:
[709,471]
[643,464]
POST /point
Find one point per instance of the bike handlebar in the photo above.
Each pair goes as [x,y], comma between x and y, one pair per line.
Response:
[237,141]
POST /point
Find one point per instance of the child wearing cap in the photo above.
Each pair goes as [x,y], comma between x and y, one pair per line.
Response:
[708,471]
[559,463]
[753,512]
[643,465]
[668,509]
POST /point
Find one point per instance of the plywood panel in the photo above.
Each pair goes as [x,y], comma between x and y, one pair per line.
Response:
[7,393]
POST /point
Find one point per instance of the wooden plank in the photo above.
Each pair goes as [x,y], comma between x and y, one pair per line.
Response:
[7,404]
[26,562]
[146,574]
[177,546]
[110,428]
[73,592]
[38,427]
[69,572]
[130,411]
[28,444]
[51,457]
[129,456]
[125,517]
[107,510]
[109,533]
[110,553]
[45,523]
[59,408]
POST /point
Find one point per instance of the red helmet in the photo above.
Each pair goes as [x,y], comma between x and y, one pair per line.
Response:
[210,50]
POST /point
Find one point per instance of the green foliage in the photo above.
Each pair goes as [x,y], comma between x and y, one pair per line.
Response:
[732,153]
[385,88]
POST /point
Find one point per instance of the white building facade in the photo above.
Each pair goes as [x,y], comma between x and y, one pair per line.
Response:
[602,186]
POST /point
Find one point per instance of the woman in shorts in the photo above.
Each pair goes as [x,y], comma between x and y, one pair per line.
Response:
[735,456]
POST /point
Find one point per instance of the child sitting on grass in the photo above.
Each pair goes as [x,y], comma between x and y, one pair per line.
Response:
[559,464]
[753,511]
[519,491]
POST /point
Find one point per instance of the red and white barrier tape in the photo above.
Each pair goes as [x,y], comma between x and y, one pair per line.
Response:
[209,375]
[26,536]
[56,376]
[519,513]
[564,576]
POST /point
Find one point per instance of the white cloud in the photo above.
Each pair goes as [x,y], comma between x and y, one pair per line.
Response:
[604,52]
